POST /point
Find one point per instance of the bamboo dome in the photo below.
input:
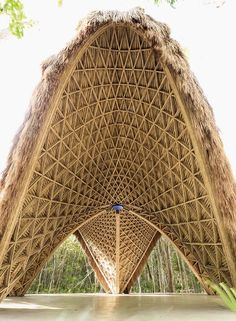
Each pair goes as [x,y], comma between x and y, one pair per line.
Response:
[118,117]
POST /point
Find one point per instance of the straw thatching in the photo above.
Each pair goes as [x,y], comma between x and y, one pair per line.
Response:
[117,117]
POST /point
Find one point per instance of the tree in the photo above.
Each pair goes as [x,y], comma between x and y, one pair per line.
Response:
[14,10]
[68,271]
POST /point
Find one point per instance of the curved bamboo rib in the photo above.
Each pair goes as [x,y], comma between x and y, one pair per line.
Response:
[117,135]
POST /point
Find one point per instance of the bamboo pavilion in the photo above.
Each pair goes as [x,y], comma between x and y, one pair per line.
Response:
[119,147]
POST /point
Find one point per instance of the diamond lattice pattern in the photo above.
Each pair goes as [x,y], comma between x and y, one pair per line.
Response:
[117,246]
[117,135]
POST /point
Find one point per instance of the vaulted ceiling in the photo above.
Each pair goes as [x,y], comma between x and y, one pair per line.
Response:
[116,132]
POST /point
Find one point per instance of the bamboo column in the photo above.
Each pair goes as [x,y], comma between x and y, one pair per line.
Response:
[117,287]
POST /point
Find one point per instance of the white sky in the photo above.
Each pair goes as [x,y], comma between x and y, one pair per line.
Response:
[207,32]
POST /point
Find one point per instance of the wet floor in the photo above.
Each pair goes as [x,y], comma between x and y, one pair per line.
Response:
[90,307]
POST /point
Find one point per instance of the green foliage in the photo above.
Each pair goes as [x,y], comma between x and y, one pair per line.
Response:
[14,9]
[18,22]
[59,3]
[165,271]
[170,2]
[68,271]
[227,294]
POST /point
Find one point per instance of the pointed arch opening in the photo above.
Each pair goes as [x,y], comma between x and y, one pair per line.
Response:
[71,270]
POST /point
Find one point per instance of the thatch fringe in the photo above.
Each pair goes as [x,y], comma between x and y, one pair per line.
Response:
[171,54]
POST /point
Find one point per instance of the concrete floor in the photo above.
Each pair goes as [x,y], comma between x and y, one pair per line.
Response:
[102,307]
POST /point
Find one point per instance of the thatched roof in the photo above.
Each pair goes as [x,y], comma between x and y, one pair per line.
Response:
[117,117]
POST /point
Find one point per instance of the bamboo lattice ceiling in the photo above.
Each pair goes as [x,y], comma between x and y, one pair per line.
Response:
[115,130]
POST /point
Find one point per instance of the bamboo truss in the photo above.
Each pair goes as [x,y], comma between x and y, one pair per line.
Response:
[117,117]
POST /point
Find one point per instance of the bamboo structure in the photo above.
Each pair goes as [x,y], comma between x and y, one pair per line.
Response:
[118,117]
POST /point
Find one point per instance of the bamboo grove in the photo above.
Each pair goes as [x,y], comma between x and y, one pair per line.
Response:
[68,271]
